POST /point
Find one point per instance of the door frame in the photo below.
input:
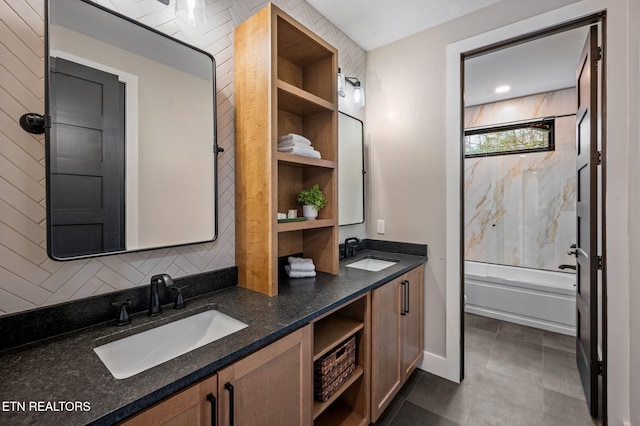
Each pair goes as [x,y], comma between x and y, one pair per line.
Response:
[596,18]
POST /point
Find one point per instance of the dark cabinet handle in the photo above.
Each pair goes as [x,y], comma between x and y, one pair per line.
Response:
[403,308]
[228,386]
[214,416]
[408,287]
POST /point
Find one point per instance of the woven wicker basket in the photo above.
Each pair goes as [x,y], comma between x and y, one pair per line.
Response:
[333,369]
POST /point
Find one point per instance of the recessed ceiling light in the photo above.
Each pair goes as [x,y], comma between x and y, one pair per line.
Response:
[502,89]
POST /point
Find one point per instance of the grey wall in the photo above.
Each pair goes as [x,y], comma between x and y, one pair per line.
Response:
[634,157]
[28,278]
[405,147]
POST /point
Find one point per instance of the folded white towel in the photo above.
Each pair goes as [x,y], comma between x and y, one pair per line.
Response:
[299,274]
[292,137]
[302,267]
[293,260]
[305,152]
[301,264]
[288,143]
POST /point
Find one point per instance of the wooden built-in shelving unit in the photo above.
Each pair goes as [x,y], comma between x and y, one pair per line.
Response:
[285,82]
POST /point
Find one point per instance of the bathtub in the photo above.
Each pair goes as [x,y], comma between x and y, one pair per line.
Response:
[532,297]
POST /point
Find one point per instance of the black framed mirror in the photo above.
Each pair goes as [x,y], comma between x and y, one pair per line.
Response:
[350,170]
[130,135]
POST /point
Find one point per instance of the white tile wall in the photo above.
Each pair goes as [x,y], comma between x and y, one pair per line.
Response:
[28,279]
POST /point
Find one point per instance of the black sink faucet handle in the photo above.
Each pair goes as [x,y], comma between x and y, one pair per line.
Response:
[179,302]
[123,317]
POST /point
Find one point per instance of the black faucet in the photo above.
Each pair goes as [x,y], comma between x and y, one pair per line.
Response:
[350,245]
[154,296]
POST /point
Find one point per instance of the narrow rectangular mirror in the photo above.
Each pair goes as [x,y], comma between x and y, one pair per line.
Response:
[131,146]
[350,170]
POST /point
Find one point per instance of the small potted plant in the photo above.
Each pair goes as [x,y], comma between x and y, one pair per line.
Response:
[312,201]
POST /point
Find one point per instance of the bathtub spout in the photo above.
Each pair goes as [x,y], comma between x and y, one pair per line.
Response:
[567,267]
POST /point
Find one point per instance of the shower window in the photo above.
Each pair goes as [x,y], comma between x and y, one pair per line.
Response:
[531,136]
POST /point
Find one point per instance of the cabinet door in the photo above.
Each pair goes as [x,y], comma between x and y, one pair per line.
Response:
[412,321]
[270,387]
[192,406]
[386,376]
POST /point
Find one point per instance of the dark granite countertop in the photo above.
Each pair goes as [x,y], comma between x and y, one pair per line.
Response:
[64,370]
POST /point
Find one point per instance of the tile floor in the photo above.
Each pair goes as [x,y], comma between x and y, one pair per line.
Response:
[514,375]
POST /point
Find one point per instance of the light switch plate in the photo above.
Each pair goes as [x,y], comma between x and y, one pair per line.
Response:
[380,229]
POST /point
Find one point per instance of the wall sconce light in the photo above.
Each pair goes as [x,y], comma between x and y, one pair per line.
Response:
[341,84]
[358,90]
[358,93]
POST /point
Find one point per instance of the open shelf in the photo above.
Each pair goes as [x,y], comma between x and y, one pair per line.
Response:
[319,407]
[301,161]
[298,45]
[318,128]
[349,405]
[332,330]
[293,99]
[307,224]
[293,178]
[340,414]
[304,60]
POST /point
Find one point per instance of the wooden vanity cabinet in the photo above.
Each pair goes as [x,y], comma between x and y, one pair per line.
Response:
[274,386]
[270,387]
[195,405]
[397,340]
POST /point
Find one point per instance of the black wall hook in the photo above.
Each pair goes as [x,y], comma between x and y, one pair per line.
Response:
[32,123]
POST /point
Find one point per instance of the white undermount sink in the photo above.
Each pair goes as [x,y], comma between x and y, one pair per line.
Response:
[131,355]
[372,264]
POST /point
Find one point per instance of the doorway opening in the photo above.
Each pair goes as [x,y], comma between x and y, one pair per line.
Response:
[532,221]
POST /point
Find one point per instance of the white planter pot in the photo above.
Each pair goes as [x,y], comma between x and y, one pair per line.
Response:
[309,212]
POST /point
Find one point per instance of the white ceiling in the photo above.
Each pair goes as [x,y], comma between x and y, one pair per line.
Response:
[534,67]
[374,23]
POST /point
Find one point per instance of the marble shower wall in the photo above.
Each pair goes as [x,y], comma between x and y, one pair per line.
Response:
[520,209]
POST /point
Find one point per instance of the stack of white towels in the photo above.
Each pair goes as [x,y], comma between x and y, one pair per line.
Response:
[299,267]
[297,144]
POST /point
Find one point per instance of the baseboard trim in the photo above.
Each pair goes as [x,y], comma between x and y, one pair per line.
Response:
[437,365]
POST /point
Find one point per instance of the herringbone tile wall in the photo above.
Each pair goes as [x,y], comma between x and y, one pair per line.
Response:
[28,278]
